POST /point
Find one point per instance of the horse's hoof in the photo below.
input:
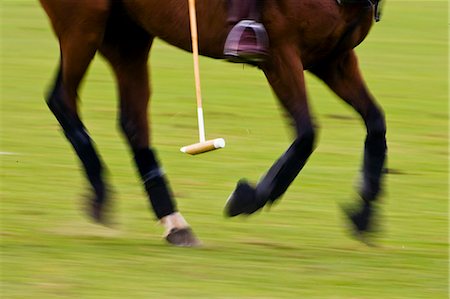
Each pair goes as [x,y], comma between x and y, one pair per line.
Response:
[182,237]
[362,221]
[100,211]
[242,201]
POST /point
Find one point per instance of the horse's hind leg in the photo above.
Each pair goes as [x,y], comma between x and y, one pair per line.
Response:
[284,72]
[79,27]
[126,47]
[343,76]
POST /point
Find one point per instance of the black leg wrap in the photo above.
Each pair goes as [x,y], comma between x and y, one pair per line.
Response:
[374,157]
[285,170]
[364,213]
[246,199]
[80,140]
[90,160]
[374,154]
[155,184]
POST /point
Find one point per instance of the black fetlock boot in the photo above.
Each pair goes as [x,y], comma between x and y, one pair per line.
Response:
[243,200]
[247,41]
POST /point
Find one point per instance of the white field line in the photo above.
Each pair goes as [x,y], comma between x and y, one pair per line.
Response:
[8,153]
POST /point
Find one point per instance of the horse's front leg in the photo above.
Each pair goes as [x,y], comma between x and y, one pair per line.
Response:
[343,76]
[127,51]
[284,72]
[62,100]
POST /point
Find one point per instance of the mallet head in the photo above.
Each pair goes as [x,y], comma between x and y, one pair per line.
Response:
[202,147]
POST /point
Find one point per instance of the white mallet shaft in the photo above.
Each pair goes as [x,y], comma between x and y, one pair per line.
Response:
[201,124]
[198,92]
[204,145]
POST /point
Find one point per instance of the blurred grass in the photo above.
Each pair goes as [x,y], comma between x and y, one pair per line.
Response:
[299,249]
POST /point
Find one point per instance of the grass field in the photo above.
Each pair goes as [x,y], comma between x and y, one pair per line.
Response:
[298,249]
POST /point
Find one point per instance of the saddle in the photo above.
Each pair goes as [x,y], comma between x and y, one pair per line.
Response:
[375,3]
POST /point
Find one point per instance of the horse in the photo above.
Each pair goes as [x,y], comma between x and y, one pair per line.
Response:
[318,36]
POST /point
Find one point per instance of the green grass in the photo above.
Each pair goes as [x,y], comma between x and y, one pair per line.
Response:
[300,249]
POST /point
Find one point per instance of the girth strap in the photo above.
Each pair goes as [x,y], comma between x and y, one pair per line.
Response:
[374,3]
[377,11]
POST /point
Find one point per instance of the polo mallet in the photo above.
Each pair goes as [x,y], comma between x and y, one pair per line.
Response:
[204,145]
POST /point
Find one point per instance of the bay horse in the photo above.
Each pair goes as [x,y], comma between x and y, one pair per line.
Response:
[314,35]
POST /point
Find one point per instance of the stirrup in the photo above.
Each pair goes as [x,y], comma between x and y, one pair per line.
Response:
[232,49]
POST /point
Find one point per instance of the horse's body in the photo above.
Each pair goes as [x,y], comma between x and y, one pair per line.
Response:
[290,20]
[315,35]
